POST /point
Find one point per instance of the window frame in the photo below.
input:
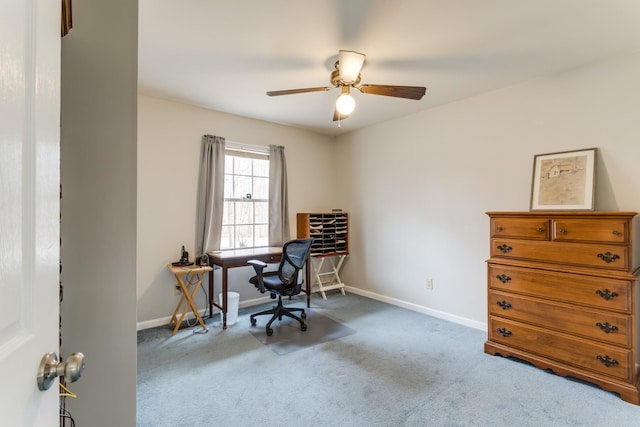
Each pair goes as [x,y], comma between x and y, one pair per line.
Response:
[251,152]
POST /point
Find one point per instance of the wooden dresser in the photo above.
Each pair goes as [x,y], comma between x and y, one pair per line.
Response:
[562,295]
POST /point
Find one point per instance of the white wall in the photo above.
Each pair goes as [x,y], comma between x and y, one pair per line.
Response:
[98,228]
[417,188]
[169,141]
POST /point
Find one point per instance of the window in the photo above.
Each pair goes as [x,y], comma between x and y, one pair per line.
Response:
[245,222]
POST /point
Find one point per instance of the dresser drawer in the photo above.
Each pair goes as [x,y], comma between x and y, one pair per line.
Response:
[526,228]
[602,358]
[609,257]
[600,292]
[590,230]
[592,324]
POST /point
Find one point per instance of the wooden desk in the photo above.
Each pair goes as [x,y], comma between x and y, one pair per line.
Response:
[189,278]
[238,258]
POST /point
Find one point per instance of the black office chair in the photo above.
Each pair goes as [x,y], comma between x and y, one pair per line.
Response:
[283,282]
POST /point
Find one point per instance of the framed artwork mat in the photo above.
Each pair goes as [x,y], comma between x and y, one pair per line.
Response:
[564,181]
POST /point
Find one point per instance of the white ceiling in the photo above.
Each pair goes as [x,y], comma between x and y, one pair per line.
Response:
[225,54]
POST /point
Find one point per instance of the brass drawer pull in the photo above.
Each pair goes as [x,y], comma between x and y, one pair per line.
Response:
[498,229]
[607,327]
[503,278]
[607,361]
[540,230]
[562,230]
[608,257]
[504,248]
[505,332]
[607,294]
[616,233]
[506,306]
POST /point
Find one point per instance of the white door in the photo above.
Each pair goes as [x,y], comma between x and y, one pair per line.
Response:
[29,206]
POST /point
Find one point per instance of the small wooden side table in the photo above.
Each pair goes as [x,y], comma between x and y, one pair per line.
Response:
[189,279]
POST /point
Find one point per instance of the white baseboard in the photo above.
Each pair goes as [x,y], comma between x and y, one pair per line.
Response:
[189,316]
[393,301]
[420,309]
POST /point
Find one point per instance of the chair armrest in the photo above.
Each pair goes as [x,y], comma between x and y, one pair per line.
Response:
[258,266]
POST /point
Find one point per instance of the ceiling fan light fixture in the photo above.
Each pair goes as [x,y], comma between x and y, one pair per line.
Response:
[345,104]
[350,64]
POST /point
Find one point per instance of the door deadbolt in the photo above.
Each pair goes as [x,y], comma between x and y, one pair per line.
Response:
[50,369]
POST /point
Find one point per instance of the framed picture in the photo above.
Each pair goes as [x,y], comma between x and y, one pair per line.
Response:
[564,181]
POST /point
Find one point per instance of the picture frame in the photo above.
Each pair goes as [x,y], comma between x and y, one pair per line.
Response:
[564,181]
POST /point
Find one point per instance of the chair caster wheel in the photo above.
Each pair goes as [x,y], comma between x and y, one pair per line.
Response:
[269,332]
[253,322]
[303,327]
[303,315]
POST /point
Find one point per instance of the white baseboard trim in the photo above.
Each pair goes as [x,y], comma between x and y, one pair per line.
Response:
[420,309]
[393,301]
[164,321]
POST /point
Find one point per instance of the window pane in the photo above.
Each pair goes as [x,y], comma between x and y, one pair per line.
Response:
[261,235]
[261,168]
[228,164]
[228,213]
[261,188]
[228,186]
[242,186]
[244,212]
[244,236]
[261,212]
[226,242]
[242,166]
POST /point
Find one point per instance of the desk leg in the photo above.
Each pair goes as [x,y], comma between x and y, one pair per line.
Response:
[224,297]
[223,306]
[308,280]
[211,292]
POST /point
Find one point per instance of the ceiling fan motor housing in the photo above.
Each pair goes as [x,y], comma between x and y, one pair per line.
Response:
[337,81]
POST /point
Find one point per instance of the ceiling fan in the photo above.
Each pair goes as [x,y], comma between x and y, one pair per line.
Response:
[347,75]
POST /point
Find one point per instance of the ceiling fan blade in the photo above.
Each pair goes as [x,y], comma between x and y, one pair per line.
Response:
[292,91]
[408,92]
[337,116]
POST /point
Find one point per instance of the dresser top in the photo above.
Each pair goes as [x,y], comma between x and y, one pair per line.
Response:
[573,214]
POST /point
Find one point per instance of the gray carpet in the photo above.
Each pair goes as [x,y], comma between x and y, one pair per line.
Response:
[400,368]
[288,337]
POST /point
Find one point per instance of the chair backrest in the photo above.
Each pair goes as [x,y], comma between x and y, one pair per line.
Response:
[294,255]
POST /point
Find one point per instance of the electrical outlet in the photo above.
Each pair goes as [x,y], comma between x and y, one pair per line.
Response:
[429,283]
[177,290]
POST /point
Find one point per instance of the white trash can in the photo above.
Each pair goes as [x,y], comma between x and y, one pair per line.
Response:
[233,303]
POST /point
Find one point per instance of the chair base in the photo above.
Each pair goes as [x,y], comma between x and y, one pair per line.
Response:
[277,312]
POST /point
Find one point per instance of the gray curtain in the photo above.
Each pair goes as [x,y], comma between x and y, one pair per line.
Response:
[210,195]
[278,201]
